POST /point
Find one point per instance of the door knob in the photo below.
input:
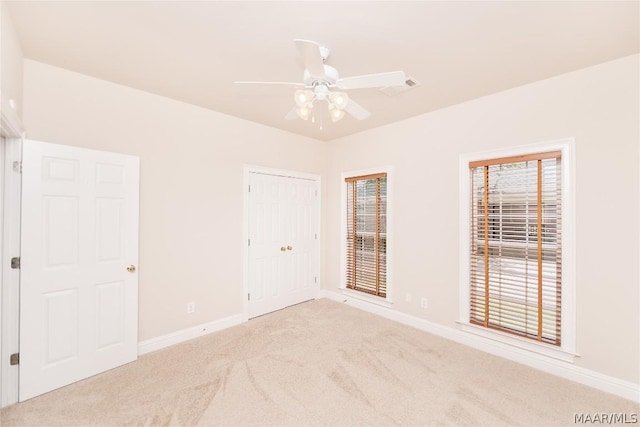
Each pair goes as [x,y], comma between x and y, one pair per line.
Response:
[289,248]
[131,268]
[282,248]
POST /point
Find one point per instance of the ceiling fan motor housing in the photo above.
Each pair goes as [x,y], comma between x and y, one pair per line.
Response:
[321,90]
[330,77]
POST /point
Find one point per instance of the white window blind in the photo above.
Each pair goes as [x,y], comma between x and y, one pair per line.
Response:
[516,235]
[366,254]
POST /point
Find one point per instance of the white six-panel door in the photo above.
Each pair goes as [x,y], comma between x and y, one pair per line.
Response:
[283,254]
[79,253]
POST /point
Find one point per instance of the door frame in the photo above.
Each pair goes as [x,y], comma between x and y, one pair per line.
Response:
[10,187]
[247,171]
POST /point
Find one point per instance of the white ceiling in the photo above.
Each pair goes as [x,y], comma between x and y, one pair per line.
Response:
[194,51]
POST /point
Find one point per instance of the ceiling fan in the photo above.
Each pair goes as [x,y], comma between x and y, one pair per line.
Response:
[321,80]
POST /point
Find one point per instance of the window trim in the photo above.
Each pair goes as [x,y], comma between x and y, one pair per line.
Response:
[388,300]
[568,328]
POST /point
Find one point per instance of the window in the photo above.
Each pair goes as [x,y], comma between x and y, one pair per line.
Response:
[366,234]
[515,254]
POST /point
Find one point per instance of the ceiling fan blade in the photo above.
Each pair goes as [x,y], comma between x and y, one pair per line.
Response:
[271,83]
[356,110]
[311,56]
[393,78]
[291,115]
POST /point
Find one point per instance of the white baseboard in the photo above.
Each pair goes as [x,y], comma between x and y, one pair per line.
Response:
[622,388]
[167,340]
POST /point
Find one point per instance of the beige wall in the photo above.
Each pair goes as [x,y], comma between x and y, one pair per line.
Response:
[10,69]
[599,107]
[191,200]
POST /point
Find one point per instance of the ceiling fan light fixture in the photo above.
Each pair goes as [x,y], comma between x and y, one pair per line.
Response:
[304,112]
[339,99]
[303,97]
[336,114]
[319,79]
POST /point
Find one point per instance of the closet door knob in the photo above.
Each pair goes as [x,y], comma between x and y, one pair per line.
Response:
[289,248]
[282,248]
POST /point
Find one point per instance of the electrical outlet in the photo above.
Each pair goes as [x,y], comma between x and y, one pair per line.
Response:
[407,297]
[424,303]
[191,307]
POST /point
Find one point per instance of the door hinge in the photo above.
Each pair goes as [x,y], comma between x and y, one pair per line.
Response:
[17,167]
[316,192]
[316,236]
[248,297]
[15,262]
[249,188]
[248,242]
[315,279]
[14,359]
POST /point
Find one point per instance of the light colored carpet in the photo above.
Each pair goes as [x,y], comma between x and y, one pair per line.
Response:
[317,363]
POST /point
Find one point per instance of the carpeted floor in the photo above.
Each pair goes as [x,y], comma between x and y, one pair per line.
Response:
[317,363]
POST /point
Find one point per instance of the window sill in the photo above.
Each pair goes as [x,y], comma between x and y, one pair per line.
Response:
[365,297]
[521,343]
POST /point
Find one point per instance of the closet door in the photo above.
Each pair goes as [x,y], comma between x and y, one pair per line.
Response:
[283,255]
